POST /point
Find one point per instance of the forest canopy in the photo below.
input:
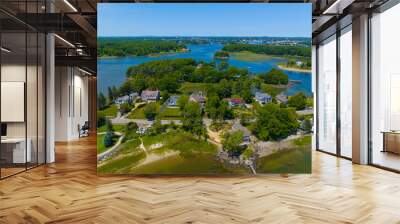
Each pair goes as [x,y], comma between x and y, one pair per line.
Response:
[269,49]
[125,47]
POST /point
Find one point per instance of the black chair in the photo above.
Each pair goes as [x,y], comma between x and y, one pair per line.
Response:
[84,130]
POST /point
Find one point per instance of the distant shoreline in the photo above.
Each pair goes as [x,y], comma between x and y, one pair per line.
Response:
[250,56]
[294,69]
[149,55]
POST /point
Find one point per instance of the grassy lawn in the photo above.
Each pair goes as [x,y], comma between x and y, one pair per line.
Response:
[219,126]
[197,164]
[110,111]
[127,157]
[249,56]
[183,142]
[296,160]
[138,113]
[171,114]
[272,90]
[195,157]
[245,111]
[100,143]
[189,87]
[117,127]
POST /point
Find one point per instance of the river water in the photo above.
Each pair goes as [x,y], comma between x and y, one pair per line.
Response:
[111,71]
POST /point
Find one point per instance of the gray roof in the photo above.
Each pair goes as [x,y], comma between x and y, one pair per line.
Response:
[198,97]
[260,95]
[282,97]
[123,98]
[126,98]
[239,127]
[149,94]
[173,100]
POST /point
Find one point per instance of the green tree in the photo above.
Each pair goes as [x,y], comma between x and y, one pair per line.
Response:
[101,101]
[246,95]
[275,77]
[157,127]
[231,143]
[169,83]
[221,55]
[224,89]
[217,109]
[306,125]
[271,49]
[182,102]
[224,111]
[150,111]
[108,139]
[101,120]
[109,125]
[192,119]
[164,96]
[211,107]
[138,83]
[110,94]
[124,47]
[130,131]
[125,108]
[114,93]
[274,123]
[223,66]
[126,88]
[298,101]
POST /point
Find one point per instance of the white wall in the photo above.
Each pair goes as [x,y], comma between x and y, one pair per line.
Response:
[33,126]
[12,73]
[71,102]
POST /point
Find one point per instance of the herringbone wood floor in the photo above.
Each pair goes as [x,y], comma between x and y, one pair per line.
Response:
[69,191]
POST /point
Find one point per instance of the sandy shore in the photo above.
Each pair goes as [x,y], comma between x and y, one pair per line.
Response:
[294,69]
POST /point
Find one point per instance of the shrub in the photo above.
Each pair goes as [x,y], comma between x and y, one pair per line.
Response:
[101,120]
[150,111]
[125,108]
[298,101]
[108,139]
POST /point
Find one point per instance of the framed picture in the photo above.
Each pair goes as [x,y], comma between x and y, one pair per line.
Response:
[198,89]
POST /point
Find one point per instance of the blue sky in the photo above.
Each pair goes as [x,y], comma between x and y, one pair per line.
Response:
[254,19]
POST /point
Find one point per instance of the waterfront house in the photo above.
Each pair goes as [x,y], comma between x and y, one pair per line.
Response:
[235,102]
[262,98]
[198,97]
[126,99]
[239,127]
[150,95]
[172,101]
[299,63]
[282,98]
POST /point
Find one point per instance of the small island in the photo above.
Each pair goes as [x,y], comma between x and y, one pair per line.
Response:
[221,55]
[298,56]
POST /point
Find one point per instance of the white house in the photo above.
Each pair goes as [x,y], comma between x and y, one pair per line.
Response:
[126,99]
[282,98]
[262,98]
[198,97]
[172,101]
[150,95]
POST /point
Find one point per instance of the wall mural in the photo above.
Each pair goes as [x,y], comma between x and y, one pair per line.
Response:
[204,88]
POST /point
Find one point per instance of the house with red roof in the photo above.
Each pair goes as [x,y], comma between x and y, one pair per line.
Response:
[235,102]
